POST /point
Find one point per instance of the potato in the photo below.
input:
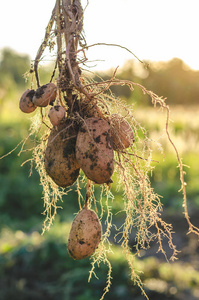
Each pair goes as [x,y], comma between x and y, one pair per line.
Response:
[45,95]
[56,114]
[121,132]
[85,234]
[59,160]
[94,150]
[25,104]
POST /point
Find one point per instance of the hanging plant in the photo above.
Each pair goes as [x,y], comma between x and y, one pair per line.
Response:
[85,141]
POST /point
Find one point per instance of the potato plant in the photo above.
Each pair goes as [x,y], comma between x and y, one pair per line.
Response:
[88,137]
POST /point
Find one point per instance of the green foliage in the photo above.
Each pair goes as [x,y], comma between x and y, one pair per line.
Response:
[165,181]
[39,267]
[175,81]
[15,77]
[20,195]
[172,79]
[13,66]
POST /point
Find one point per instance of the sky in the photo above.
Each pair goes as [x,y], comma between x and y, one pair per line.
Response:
[154,30]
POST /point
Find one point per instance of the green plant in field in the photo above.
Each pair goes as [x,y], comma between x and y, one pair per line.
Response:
[121,147]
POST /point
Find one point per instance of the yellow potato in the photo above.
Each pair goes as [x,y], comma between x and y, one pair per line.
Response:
[25,104]
[56,114]
[121,132]
[59,160]
[94,150]
[45,95]
[85,234]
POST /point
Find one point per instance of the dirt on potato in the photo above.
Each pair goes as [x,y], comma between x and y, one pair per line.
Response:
[25,104]
[121,132]
[94,151]
[60,161]
[45,95]
[85,234]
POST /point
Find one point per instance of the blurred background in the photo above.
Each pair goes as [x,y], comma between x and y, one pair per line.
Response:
[35,266]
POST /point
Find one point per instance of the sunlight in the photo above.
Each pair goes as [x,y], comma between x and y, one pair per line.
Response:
[153,30]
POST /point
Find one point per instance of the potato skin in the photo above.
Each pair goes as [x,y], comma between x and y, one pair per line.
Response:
[94,150]
[85,234]
[56,114]
[59,160]
[45,95]
[121,132]
[25,104]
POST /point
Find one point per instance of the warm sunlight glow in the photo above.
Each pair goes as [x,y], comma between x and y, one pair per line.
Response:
[153,30]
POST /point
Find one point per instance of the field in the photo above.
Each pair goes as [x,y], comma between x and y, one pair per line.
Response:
[35,266]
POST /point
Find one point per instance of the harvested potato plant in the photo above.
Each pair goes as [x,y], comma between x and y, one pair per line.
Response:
[101,136]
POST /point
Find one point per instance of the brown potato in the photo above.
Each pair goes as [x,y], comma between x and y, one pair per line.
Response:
[121,132]
[45,95]
[56,114]
[94,150]
[25,104]
[85,234]
[60,161]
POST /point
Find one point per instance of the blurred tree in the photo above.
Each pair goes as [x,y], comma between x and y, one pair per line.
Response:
[174,80]
[13,66]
